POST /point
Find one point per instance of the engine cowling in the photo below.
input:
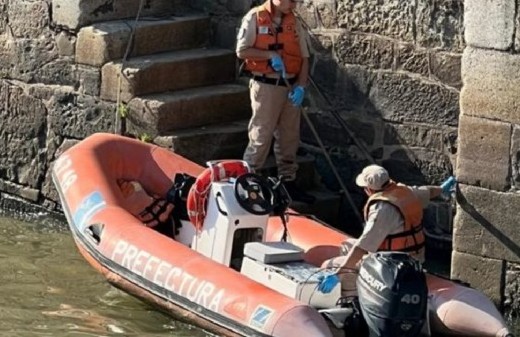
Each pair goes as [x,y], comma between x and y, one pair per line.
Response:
[393,294]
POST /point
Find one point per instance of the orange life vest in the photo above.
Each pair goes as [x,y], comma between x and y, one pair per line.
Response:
[283,39]
[411,239]
[198,195]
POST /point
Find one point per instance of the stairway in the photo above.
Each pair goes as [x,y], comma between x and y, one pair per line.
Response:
[181,92]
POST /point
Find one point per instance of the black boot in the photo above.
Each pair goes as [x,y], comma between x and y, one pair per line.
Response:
[297,194]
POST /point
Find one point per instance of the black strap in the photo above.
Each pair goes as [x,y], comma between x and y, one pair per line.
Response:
[163,227]
[177,196]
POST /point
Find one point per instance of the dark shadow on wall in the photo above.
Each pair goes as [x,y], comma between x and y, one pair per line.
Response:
[348,90]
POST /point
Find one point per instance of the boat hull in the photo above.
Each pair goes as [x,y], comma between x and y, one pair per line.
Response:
[193,287]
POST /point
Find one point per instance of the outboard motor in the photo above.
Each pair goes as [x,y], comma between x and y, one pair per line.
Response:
[393,294]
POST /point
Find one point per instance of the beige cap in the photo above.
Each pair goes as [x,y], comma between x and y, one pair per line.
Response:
[373,177]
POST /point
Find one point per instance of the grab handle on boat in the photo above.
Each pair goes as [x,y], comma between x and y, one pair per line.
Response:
[219,196]
[94,232]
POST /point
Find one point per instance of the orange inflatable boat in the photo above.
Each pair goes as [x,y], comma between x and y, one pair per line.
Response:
[228,271]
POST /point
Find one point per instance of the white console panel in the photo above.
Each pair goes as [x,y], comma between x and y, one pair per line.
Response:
[224,216]
[297,279]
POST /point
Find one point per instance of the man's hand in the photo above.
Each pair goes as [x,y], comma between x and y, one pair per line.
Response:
[277,65]
[327,283]
[296,95]
[448,186]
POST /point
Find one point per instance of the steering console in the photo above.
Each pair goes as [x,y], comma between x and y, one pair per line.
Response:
[254,194]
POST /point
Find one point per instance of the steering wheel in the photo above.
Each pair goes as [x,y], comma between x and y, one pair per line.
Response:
[254,194]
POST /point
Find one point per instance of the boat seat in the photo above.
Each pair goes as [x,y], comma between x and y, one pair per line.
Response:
[273,252]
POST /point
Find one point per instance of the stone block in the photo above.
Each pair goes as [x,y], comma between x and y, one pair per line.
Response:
[25,59]
[511,291]
[225,33]
[490,85]
[167,71]
[319,14]
[62,71]
[365,50]
[226,141]
[78,116]
[28,19]
[484,153]
[486,223]
[394,19]
[489,24]
[413,135]
[446,68]
[22,137]
[416,166]
[481,273]
[89,80]
[439,25]
[29,194]
[162,113]
[108,41]
[74,14]
[412,59]
[401,98]
[66,43]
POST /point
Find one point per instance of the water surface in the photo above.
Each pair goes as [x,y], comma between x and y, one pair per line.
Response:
[48,289]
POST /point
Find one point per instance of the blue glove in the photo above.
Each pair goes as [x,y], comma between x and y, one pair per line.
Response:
[447,186]
[277,65]
[327,283]
[296,95]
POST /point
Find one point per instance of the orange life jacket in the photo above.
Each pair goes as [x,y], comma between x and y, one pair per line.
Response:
[411,239]
[283,39]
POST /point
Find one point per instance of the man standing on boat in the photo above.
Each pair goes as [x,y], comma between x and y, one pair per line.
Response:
[272,43]
[393,216]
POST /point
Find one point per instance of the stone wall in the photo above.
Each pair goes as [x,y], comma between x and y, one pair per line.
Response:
[391,69]
[486,237]
[45,99]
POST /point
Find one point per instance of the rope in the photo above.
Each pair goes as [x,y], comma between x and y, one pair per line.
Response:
[333,167]
[344,190]
[118,127]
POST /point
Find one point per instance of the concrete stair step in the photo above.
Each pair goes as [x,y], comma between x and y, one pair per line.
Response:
[326,207]
[218,141]
[167,72]
[107,41]
[79,13]
[306,177]
[161,113]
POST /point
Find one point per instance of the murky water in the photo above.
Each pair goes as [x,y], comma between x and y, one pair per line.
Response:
[47,289]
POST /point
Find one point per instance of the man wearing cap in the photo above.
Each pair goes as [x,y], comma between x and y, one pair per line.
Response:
[393,216]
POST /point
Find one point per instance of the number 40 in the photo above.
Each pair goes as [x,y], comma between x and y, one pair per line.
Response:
[411,299]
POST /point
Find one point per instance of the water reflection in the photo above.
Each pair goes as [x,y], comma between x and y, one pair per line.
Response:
[47,289]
